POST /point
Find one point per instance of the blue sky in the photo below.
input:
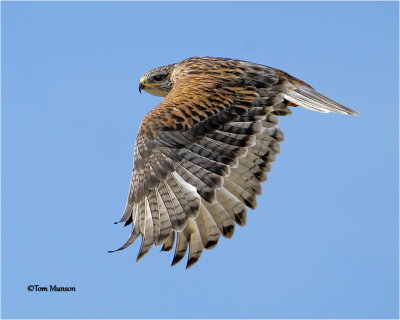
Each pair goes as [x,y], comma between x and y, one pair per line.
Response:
[323,242]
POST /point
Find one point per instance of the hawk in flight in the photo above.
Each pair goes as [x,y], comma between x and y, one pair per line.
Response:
[203,152]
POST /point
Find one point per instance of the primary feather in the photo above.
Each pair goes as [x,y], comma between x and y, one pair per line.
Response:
[203,152]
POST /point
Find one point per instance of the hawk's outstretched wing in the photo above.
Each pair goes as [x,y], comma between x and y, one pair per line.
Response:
[203,152]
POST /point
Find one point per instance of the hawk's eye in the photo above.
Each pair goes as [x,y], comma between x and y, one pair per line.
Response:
[158,77]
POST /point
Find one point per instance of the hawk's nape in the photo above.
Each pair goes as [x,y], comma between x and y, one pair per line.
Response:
[203,152]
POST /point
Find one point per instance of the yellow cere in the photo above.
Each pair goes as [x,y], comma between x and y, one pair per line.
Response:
[143,81]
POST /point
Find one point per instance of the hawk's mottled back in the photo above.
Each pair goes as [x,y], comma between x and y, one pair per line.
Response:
[203,152]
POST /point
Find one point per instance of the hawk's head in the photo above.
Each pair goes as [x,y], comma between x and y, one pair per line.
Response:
[157,81]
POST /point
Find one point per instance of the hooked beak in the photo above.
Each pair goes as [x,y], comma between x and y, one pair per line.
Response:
[141,86]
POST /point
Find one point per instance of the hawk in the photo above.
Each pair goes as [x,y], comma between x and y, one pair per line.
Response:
[202,154]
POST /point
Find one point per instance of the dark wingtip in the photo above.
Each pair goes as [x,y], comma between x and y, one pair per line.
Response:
[164,248]
[176,259]
[191,262]
[228,231]
[240,218]
[140,255]
[210,244]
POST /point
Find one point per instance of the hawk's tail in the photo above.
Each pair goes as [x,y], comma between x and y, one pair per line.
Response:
[310,99]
